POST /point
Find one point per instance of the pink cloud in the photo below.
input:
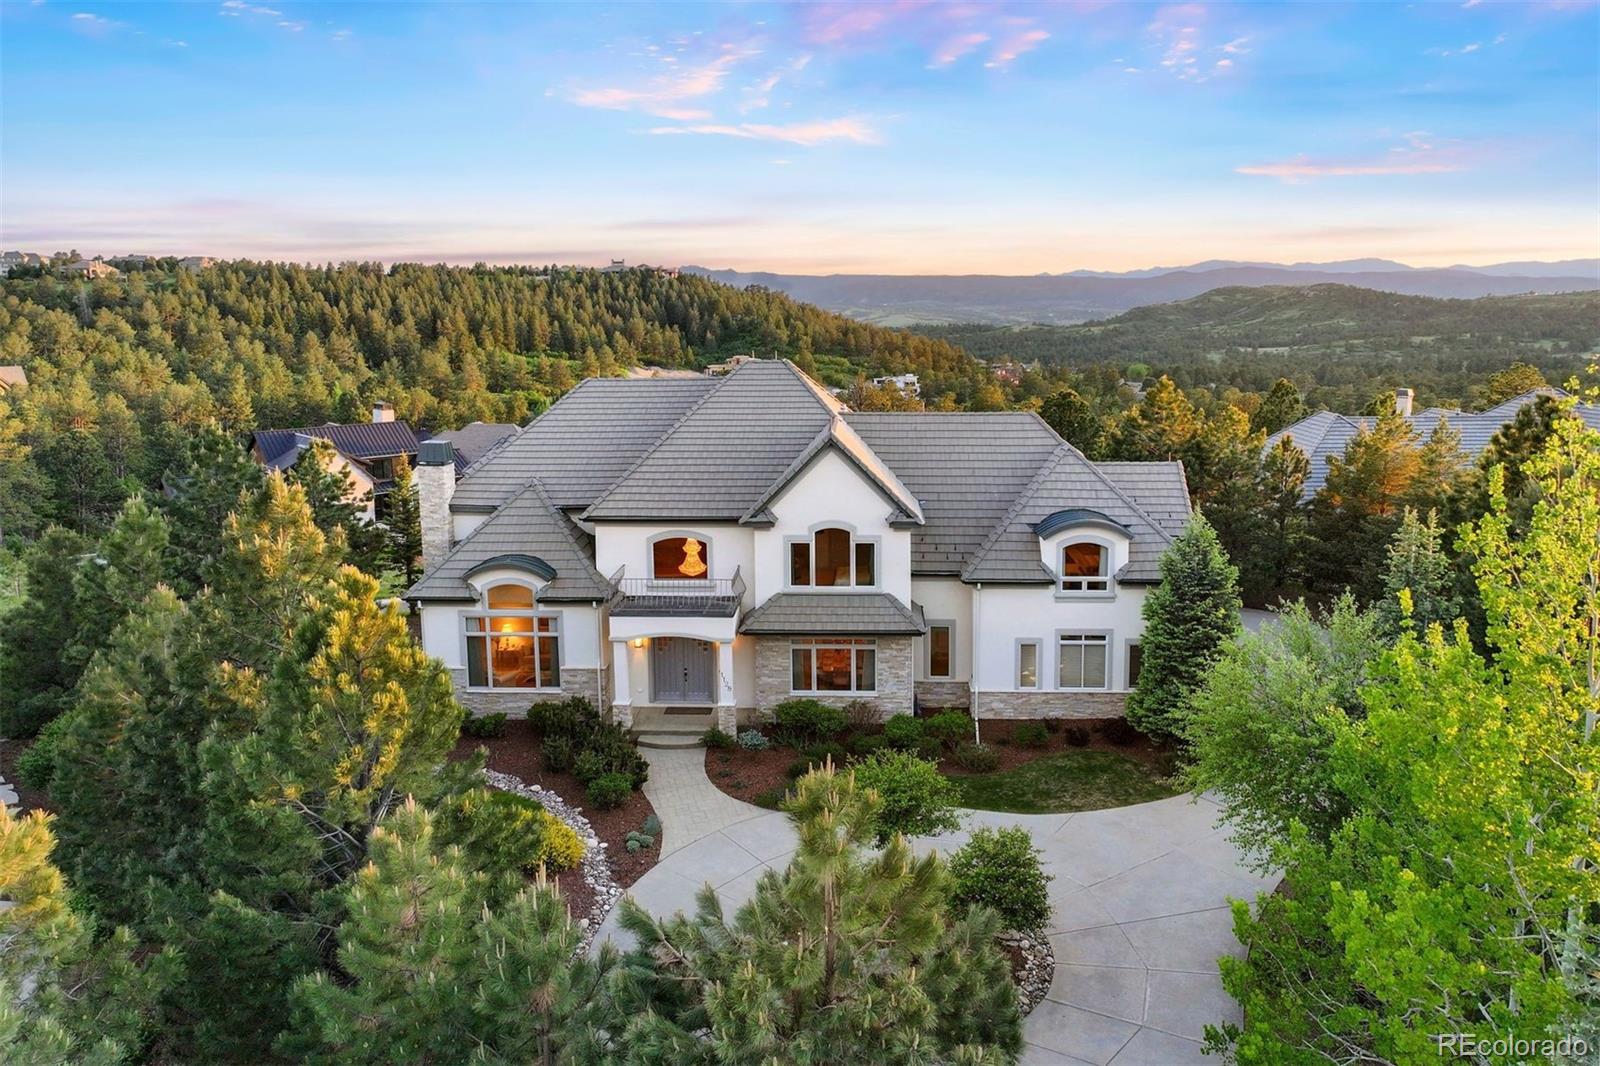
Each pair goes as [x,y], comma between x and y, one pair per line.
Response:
[806,134]
[1419,155]
[956,47]
[661,97]
[1017,44]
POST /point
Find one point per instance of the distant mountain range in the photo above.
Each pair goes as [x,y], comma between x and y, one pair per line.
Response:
[1078,296]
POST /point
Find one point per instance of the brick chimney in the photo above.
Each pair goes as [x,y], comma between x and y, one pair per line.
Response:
[436,484]
[382,412]
[1402,402]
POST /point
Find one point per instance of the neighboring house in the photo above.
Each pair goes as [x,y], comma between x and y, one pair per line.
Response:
[1326,433]
[365,452]
[88,269]
[194,263]
[11,377]
[723,544]
[717,370]
[906,384]
[11,260]
[474,440]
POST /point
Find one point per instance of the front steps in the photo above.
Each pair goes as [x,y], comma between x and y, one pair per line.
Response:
[671,727]
[668,740]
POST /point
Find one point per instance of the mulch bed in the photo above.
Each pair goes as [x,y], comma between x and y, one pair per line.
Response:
[517,753]
[28,799]
[758,776]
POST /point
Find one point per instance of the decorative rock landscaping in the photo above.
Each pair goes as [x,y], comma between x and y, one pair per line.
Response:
[596,865]
[1038,966]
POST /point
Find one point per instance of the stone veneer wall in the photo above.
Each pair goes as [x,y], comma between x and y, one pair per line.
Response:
[1051,704]
[575,681]
[944,694]
[894,695]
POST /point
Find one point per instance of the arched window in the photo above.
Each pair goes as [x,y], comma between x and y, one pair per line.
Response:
[1085,567]
[510,644]
[833,558]
[680,559]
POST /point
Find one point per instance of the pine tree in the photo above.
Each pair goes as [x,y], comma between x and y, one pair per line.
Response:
[1160,426]
[1070,415]
[404,523]
[335,510]
[36,678]
[1274,562]
[848,956]
[1189,618]
[215,474]
[1282,406]
[1418,566]
[116,577]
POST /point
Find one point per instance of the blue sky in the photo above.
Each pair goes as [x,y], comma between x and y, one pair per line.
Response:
[902,137]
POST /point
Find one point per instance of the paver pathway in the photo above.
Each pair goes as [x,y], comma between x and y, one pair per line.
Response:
[1139,907]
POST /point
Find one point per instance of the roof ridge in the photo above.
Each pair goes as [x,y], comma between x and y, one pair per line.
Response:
[828,435]
[670,430]
[1023,497]
[811,386]
[1129,500]
[505,442]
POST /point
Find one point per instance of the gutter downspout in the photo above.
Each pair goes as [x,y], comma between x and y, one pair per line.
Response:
[972,673]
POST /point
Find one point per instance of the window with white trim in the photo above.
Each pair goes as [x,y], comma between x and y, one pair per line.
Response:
[1084,661]
[1028,664]
[833,664]
[833,558]
[1085,567]
[940,643]
[511,645]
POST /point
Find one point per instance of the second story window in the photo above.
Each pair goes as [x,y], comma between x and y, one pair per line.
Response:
[833,558]
[680,559]
[1085,567]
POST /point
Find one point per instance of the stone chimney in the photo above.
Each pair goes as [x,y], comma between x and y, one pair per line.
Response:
[382,412]
[436,484]
[1402,402]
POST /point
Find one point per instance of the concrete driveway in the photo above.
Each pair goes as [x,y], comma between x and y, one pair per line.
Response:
[1139,907]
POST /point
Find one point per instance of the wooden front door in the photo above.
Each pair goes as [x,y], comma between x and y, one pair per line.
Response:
[681,670]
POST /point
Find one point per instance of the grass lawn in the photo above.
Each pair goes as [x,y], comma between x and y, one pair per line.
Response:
[1065,781]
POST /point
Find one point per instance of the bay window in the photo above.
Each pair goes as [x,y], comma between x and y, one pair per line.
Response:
[833,558]
[511,645]
[833,664]
[1084,661]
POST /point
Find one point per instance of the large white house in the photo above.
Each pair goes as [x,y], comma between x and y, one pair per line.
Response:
[718,545]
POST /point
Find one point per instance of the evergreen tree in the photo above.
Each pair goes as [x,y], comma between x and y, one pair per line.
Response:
[404,524]
[24,490]
[334,507]
[1418,566]
[848,956]
[36,677]
[1161,426]
[1513,381]
[1074,420]
[1275,560]
[116,577]
[1189,618]
[1357,510]
[85,488]
[1282,406]
[206,486]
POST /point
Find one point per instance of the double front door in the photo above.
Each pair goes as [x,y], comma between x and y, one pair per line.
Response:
[681,670]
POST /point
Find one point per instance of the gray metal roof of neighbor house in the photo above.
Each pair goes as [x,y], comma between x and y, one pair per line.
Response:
[358,440]
[528,525]
[1326,434]
[840,614]
[1068,480]
[582,443]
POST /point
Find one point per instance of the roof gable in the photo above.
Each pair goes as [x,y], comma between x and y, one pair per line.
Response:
[837,436]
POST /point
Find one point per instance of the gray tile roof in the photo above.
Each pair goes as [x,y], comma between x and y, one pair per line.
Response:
[837,434]
[1068,480]
[967,469]
[473,440]
[726,451]
[528,524]
[838,614]
[582,443]
[1326,434]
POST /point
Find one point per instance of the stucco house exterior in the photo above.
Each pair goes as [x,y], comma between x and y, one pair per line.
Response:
[720,544]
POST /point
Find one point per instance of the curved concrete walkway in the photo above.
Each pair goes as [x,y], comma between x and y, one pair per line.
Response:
[1139,907]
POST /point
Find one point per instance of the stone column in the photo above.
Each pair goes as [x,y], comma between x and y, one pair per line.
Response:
[727,710]
[436,483]
[621,685]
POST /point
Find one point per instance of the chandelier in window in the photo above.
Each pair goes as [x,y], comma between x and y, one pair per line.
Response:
[692,566]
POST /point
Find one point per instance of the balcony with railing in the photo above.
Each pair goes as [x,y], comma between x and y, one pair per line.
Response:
[680,598]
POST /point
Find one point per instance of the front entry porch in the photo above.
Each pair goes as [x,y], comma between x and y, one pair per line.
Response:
[672,683]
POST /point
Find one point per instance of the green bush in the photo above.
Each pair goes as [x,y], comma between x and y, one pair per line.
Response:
[1031,734]
[574,717]
[500,831]
[902,731]
[821,753]
[1120,731]
[610,750]
[716,738]
[807,721]
[797,768]
[37,766]
[917,800]
[867,743]
[754,740]
[999,869]
[979,758]
[930,748]
[556,751]
[949,727]
[651,826]
[771,799]
[488,725]
[1077,736]
[560,849]
[609,791]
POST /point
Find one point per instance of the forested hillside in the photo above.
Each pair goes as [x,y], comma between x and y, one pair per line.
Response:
[1339,343]
[121,370]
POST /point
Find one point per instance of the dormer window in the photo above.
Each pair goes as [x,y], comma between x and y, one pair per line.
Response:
[1085,567]
[833,558]
[680,559]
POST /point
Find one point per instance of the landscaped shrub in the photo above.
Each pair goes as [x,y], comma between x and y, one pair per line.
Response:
[753,740]
[930,748]
[1120,731]
[645,836]
[504,831]
[949,727]
[797,767]
[860,714]
[771,799]
[574,717]
[821,753]
[867,743]
[560,849]
[610,750]
[917,799]
[1054,724]
[716,738]
[556,751]
[979,758]
[999,869]
[807,721]
[37,765]
[902,731]
[1031,734]
[1077,736]
[488,725]
[609,791]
